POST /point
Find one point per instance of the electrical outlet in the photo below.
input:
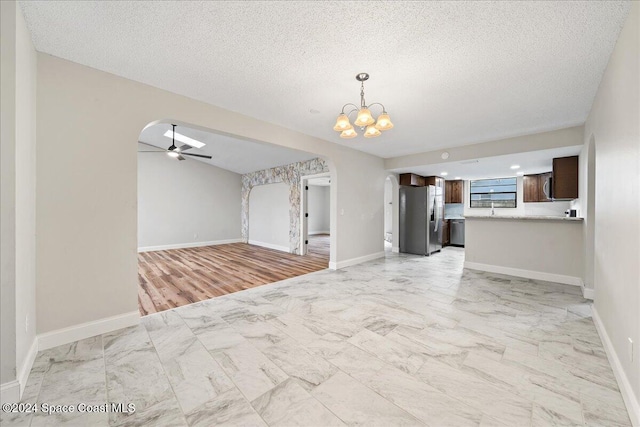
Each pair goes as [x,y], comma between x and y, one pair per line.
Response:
[630,350]
[195,235]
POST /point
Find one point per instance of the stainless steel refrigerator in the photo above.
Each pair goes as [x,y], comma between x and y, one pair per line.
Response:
[421,217]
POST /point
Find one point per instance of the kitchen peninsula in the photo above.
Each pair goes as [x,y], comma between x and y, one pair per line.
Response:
[534,247]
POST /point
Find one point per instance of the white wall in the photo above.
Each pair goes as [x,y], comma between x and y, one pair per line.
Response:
[614,125]
[184,203]
[318,208]
[18,191]
[522,209]
[551,247]
[87,193]
[269,216]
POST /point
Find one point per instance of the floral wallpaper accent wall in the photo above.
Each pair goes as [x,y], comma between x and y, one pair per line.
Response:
[289,174]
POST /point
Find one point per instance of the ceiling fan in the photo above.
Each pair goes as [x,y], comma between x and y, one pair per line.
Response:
[177,152]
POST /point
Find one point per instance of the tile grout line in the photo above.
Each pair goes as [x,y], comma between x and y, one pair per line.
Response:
[175,396]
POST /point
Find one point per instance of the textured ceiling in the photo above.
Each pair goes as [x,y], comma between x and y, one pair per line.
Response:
[234,154]
[449,73]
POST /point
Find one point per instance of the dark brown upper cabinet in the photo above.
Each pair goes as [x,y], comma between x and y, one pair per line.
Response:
[434,180]
[453,191]
[535,187]
[565,178]
[412,179]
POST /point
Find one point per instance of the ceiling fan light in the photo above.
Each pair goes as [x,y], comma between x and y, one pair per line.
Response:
[364,118]
[342,123]
[384,122]
[348,133]
[173,154]
[371,132]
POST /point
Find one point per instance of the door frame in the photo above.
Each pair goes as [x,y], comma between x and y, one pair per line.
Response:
[304,221]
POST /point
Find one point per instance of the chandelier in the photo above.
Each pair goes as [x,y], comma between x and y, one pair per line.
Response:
[364,119]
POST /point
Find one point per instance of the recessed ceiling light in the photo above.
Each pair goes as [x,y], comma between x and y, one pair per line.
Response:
[520,173]
[185,139]
[457,177]
[515,167]
[445,155]
[444,174]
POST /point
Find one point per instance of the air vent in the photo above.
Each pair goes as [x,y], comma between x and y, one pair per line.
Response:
[468,162]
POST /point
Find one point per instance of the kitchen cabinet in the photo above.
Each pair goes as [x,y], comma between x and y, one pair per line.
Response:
[453,191]
[565,178]
[434,180]
[533,187]
[412,179]
[445,233]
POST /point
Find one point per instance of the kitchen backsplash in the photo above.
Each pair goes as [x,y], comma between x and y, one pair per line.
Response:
[454,210]
[546,208]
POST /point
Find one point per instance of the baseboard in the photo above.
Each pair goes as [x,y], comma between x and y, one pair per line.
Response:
[630,399]
[87,330]
[269,245]
[395,249]
[25,370]
[314,233]
[187,245]
[10,392]
[588,293]
[353,261]
[527,274]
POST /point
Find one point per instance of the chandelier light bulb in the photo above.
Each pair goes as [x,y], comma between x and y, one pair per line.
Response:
[342,123]
[384,122]
[364,118]
[349,133]
[371,132]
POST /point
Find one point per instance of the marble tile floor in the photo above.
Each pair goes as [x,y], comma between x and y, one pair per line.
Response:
[404,340]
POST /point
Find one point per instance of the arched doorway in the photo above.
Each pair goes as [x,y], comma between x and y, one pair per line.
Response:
[195,228]
[391,215]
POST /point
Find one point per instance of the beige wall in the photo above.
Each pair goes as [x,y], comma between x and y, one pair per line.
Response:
[567,137]
[26,78]
[185,202]
[7,192]
[614,125]
[18,191]
[88,125]
[544,246]
[318,204]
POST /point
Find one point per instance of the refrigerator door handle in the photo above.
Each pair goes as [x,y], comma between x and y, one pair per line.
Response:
[436,212]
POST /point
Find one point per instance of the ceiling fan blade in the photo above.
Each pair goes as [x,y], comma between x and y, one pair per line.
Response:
[197,155]
[180,158]
[152,151]
[185,147]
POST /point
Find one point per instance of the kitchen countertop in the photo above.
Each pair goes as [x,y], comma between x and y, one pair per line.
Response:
[520,217]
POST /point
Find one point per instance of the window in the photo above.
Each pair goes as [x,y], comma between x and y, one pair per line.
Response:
[498,193]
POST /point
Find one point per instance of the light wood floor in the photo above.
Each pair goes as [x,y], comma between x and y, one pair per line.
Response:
[173,278]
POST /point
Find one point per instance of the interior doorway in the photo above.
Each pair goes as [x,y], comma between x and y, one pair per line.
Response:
[391,237]
[315,211]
